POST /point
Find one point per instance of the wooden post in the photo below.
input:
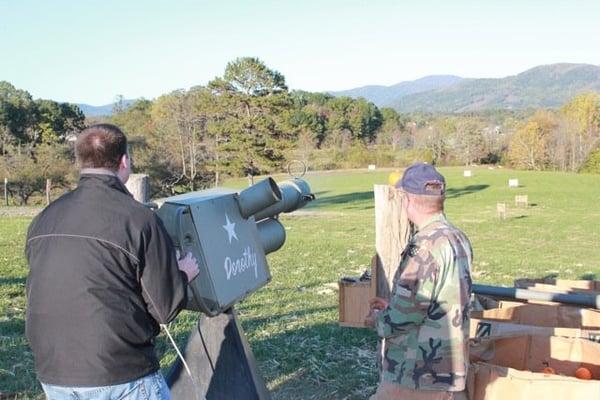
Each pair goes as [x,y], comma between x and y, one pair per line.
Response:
[6,192]
[501,210]
[48,189]
[392,233]
[138,186]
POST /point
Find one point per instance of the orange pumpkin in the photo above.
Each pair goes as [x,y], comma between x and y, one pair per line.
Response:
[583,373]
[549,370]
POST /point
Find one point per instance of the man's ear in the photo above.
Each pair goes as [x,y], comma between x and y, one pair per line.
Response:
[124,162]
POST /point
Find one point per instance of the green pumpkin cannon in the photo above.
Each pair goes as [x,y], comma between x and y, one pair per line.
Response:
[230,234]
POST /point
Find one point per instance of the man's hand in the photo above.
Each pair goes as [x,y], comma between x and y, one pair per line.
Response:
[189,265]
[376,304]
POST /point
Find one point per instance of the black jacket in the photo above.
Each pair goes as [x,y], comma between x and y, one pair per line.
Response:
[103,275]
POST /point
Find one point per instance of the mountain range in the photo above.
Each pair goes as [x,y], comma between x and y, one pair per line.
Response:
[545,86]
[99,111]
[383,96]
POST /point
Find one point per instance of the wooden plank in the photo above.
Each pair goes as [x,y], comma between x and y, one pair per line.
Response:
[373,291]
[6,192]
[392,233]
[48,189]
[138,186]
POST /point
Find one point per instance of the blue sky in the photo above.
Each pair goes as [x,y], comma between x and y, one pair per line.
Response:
[90,51]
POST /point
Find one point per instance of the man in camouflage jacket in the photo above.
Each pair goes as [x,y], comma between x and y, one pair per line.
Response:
[425,325]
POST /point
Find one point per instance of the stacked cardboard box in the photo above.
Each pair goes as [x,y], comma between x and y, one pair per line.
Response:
[512,343]
[511,368]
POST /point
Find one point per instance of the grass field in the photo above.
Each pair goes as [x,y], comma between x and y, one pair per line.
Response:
[292,323]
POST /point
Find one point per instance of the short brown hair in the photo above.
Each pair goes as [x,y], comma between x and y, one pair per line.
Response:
[427,204]
[100,146]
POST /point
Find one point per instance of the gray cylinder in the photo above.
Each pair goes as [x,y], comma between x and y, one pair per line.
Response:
[295,194]
[258,197]
[579,299]
[271,234]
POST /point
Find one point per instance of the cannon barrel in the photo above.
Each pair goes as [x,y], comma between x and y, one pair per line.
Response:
[578,299]
[271,234]
[295,194]
[258,197]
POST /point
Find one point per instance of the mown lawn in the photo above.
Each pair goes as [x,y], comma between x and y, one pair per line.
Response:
[292,323]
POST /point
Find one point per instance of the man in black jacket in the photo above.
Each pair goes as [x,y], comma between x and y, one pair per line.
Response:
[103,276]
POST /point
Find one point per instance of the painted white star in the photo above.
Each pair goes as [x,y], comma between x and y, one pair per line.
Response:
[230,228]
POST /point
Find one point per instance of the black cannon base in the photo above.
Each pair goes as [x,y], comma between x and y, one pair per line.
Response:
[221,362]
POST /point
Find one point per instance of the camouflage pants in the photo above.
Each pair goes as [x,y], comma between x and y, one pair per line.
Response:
[392,391]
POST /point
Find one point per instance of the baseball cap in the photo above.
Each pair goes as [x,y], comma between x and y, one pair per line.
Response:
[422,179]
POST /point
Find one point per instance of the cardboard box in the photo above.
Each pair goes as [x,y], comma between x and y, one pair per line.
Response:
[492,382]
[481,328]
[509,368]
[548,284]
[354,298]
[354,302]
[543,315]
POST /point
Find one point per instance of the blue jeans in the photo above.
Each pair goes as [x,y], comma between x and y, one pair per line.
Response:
[149,387]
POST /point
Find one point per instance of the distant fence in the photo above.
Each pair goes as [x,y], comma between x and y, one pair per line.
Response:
[138,185]
[47,192]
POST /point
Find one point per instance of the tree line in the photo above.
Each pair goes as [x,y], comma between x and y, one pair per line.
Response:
[247,122]
[34,137]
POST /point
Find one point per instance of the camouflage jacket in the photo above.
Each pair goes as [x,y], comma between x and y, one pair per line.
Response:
[425,328]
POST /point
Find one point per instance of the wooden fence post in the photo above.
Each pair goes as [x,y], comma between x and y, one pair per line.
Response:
[501,210]
[48,189]
[392,233]
[138,186]
[6,192]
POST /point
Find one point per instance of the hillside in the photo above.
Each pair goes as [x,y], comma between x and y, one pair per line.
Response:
[383,96]
[545,86]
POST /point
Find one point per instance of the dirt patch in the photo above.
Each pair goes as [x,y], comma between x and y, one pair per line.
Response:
[18,211]
[314,213]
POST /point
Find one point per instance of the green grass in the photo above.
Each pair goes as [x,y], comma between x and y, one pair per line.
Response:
[292,322]
[16,361]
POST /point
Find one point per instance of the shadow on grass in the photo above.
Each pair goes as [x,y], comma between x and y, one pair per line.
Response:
[453,193]
[344,199]
[321,193]
[322,361]
[251,323]
[12,281]
[13,326]
[552,275]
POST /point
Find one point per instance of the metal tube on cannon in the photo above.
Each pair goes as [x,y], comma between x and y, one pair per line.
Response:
[258,197]
[271,234]
[295,194]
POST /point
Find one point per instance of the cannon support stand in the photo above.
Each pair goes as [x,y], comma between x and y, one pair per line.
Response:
[221,362]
